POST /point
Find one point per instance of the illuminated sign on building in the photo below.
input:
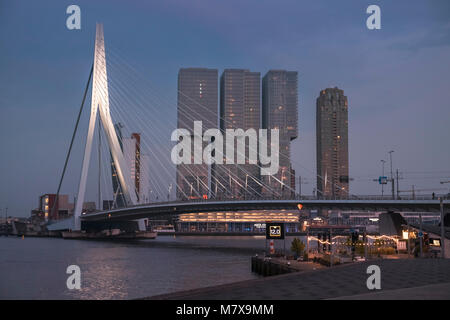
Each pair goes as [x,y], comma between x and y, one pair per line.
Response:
[435,242]
[274,230]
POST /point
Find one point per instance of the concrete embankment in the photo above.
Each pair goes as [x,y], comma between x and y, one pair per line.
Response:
[271,266]
[268,267]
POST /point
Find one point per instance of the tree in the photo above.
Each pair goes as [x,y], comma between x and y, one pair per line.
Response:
[297,246]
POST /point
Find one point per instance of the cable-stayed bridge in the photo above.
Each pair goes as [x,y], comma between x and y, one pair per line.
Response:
[135,171]
[180,207]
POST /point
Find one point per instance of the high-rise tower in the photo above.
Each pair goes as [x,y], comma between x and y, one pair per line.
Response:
[197,101]
[332,143]
[280,111]
[137,166]
[240,108]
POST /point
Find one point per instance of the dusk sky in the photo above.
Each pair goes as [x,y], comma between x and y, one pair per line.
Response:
[397,79]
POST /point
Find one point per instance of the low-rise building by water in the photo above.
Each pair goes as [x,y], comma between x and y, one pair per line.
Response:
[251,221]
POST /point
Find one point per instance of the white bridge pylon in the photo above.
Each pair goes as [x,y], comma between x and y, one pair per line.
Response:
[100,103]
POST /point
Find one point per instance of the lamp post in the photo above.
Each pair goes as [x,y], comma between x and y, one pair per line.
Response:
[392,174]
[441,202]
[331,247]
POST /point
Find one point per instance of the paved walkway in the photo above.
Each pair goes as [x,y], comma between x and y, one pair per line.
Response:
[430,292]
[341,281]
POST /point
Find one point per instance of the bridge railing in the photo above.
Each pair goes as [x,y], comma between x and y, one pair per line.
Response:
[300,198]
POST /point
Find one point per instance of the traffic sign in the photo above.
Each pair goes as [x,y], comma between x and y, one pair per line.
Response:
[382,180]
[420,234]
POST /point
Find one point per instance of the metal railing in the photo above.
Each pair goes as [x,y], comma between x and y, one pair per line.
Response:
[300,198]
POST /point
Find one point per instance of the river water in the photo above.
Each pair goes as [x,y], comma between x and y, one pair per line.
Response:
[35,268]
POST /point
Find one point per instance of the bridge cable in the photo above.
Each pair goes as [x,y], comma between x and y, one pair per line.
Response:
[188,116]
[73,138]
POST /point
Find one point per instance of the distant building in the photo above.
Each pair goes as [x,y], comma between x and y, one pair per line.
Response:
[332,143]
[293,180]
[251,221]
[432,238]
[240,108]
[280,111]
[50,209]
[137,168]
[197,101]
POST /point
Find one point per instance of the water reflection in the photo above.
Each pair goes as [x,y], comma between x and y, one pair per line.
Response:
[35,268]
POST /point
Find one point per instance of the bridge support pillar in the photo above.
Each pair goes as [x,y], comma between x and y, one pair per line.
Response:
[100,105]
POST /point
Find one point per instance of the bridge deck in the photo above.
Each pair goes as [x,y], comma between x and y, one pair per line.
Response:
[175,208]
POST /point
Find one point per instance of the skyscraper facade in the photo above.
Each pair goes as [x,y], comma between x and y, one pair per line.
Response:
[332,143]
[197,101]
[280,111]
[137,167]
[240,108]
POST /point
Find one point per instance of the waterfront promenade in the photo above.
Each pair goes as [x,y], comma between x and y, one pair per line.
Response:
[400,279]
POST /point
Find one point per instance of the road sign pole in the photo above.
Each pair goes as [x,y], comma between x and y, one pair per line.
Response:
[382,174]
[421,234]
[392,175]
